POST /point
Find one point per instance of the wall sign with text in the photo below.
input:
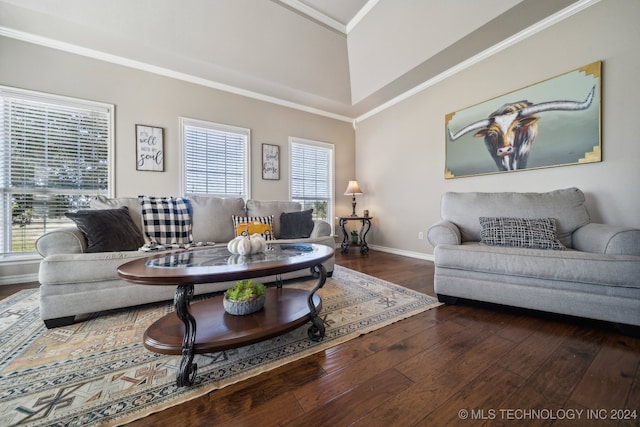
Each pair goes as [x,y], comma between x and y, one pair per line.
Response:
[149,148]
[270,161]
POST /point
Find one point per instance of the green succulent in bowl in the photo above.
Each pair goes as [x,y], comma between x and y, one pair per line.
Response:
[245,290]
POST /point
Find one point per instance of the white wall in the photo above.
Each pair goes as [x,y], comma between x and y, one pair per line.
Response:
[400,151]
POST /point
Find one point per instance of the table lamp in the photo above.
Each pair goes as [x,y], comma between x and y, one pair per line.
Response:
[352,190]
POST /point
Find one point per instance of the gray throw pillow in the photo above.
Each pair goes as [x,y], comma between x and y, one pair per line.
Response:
[296,225]
[535,233]
[108,230]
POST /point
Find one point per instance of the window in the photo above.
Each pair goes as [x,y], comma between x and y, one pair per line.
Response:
[216,159]
[312,176]
[54,155]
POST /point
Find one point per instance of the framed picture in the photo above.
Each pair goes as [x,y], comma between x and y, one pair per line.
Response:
[149,148]
[552,123]
[270,161]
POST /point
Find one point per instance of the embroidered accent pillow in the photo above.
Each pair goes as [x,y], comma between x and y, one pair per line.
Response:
[108,230]
[535,233]
[166,221]
[243,225]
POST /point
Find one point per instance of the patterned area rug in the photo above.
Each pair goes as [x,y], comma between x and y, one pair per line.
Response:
[97,372]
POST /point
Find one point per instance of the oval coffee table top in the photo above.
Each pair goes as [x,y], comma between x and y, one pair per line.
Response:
[217,264]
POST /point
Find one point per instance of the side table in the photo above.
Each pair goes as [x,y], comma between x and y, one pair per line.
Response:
[364,229]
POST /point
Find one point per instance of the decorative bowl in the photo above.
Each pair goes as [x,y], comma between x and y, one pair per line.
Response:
[240,308]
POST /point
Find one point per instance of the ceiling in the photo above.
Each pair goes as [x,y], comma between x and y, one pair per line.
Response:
[339,58]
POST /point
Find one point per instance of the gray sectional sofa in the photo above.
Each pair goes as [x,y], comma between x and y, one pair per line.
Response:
[74,282]
[597,276]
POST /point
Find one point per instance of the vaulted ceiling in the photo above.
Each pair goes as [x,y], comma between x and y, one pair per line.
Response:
[341,58]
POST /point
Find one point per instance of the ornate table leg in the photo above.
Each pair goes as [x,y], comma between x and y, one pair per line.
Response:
[363,233]
[345,240]
[316,330]
[187,372]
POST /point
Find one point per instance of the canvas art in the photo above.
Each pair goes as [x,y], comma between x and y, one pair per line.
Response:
[552,123]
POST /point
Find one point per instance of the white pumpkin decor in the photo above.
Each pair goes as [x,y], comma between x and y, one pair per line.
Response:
[246,245]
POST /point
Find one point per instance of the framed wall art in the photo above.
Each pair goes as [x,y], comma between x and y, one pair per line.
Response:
[270,161]
[149,148]
[552,123]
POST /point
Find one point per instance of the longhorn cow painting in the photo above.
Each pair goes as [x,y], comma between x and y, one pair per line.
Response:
[552,123]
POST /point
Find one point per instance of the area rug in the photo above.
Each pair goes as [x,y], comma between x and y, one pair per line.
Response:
[97,372]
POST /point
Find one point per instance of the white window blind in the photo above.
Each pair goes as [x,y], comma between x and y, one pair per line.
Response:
[216,159]
[312,176]
[54,155]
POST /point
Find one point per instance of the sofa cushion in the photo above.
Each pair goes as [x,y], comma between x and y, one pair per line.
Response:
[247,225]
[108,230]
[555,269]
[212,217]
[566,206]
[296,225]
[538,233]
[167,220]
[272,207]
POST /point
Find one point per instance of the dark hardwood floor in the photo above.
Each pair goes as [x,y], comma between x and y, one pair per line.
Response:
[468,364]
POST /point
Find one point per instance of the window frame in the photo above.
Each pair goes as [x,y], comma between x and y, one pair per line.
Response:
[186,122]
[61,102]
[330,175]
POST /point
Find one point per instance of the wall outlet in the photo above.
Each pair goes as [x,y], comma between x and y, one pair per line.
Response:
[421,235]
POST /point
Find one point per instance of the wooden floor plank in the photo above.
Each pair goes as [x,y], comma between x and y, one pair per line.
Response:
[539,344]
[350,407]
[551,384]
[282,406]
[353,374]
[609,379]
[439,374]
[479,400]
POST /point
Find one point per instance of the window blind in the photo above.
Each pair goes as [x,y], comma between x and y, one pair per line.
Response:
[215,159]
[54,157]
[311,178]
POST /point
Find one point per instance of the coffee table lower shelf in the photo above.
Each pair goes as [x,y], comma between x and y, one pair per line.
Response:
[284,309]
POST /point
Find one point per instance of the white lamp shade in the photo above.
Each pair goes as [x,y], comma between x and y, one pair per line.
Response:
[352,189]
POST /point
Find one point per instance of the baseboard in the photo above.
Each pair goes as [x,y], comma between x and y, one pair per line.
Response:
[410,254]
[18,278]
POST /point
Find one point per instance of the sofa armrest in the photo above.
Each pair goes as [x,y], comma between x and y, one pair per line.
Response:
[321,228]
[68,240]
[444,232]
[607,239]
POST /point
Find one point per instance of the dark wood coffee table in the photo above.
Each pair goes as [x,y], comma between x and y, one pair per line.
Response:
[285,308]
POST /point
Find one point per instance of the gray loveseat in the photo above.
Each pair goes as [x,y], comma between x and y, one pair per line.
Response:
[74,282]
[597,277]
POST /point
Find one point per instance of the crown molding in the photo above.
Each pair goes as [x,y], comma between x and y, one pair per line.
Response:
[315,15]
[328,21]
[360,15]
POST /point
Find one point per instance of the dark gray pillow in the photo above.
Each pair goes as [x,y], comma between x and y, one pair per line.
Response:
[296,225]
[108,230]
[535,233]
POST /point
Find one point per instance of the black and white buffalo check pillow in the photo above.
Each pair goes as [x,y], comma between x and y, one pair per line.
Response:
[166,221]
[535,233]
